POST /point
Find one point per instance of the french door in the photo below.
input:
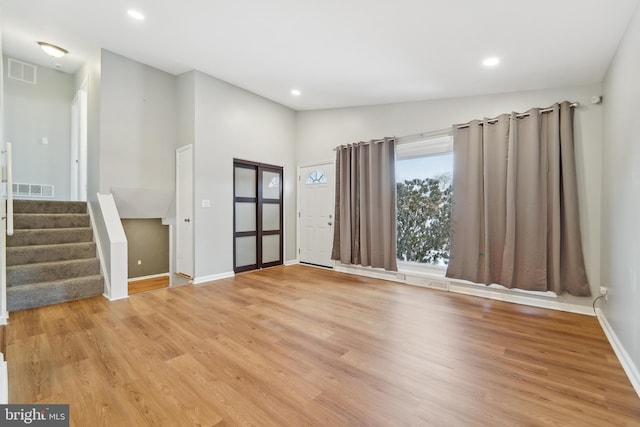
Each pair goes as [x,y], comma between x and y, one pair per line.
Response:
[257,215]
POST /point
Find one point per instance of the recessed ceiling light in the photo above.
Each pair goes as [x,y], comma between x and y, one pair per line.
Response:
[491,62]
[296,92]
[53,50]
[135,14]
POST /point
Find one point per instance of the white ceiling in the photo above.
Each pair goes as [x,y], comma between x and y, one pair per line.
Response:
[337,52]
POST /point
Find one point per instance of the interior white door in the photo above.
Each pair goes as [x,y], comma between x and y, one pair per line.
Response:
[315,213]
[78,184]
[184,211]
[83,126]
[75,137]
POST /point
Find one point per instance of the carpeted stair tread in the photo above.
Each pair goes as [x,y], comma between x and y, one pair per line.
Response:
[51,236]
[19,255]
[48,206]
[51,256]
[53,292]
[18,275]
[45,221]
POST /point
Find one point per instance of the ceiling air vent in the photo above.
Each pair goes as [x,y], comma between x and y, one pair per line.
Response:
[22,71]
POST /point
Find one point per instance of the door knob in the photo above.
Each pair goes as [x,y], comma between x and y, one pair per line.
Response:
[187,220]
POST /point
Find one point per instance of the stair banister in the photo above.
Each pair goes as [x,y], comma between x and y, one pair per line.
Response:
[9,169]
[7,217]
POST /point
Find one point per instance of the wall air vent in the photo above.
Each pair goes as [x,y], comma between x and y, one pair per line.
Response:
[33,190]
[22,71]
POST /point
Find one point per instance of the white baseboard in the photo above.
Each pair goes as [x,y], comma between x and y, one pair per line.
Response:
[114,299]
[291,262]
[374,273]
[532,301]
[4,320]
[423,280]
[151,276]
[625,360]
[213,277]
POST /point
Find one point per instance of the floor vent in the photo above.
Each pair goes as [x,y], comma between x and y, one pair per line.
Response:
[33,190]
[22,71]
[427,282]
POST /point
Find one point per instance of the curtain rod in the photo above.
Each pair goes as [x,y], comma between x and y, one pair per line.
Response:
[445,132]
[519,116]
[373,141]
[411,138]
[424,135]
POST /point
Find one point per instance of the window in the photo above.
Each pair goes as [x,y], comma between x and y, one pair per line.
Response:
[424,171]
[316,177]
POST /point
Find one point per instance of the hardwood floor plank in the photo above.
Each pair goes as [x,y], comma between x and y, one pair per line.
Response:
[298,346]
[145,285]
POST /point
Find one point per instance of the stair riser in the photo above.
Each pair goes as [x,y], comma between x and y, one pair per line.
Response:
[29,296]
[39,221]
[34,273]
[49,237]
[48,206]
[49,253]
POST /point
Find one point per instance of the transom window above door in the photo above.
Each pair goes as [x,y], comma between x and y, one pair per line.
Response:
[316,177]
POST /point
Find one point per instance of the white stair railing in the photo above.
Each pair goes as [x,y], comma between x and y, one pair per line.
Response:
[9,181]
[7,225]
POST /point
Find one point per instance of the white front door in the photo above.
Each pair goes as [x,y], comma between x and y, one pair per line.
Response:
[316,213]
[184,211]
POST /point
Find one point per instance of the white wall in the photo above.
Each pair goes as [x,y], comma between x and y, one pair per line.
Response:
[138,126]
[318,132]
[621,192]
[186,108]
[233,123]
[34,111]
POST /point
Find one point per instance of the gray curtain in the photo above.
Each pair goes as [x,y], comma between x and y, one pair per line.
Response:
[365,209]
[515,204]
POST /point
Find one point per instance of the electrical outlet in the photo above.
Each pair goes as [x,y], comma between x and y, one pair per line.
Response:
[604,292]
[139,262]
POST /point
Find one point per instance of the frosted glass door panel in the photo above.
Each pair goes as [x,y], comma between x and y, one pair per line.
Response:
[270,248]
[270,217]
[245,216]
[245,251]
[270,185]
[245,182]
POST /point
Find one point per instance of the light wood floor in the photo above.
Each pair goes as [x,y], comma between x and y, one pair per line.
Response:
[144,285]
[297,346]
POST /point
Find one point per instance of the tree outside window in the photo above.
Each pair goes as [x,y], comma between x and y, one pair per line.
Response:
[424,186]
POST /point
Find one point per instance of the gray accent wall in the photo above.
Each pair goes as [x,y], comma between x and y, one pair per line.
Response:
[318,132]
[147,242]
[33,112]
[621,193]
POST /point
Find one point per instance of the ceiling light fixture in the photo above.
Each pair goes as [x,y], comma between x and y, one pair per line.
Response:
[491,62]
[296,92]
[135,14]
[53,50]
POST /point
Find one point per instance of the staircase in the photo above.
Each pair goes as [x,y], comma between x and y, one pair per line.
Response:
[51,256]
